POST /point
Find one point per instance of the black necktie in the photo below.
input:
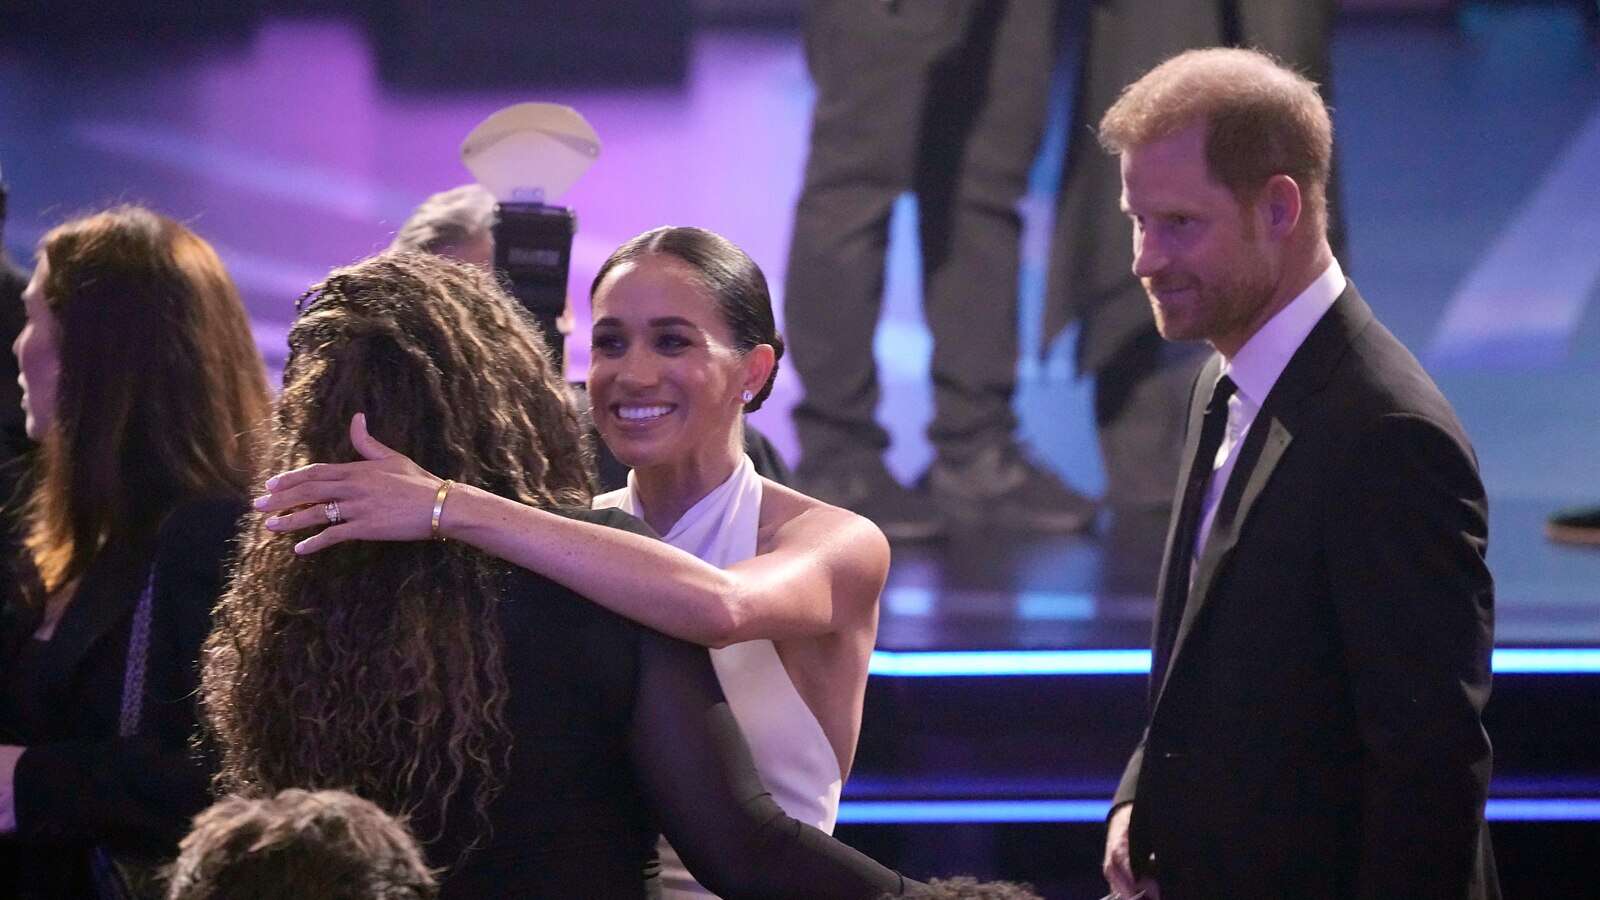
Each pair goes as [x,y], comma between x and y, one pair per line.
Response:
[1175,588]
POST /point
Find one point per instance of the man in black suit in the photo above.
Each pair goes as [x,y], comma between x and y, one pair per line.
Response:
[1322,643]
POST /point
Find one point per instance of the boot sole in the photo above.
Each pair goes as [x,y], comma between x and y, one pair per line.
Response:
[1572,534]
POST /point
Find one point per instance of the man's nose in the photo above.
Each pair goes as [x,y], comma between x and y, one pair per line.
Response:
[1148,256]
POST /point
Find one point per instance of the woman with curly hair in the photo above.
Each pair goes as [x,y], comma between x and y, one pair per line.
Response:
[142,383]
[535,739]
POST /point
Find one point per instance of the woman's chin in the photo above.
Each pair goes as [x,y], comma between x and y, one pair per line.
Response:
[636,453]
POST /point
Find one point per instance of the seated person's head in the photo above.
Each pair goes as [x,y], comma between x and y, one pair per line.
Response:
[324,844]
[385,656]
[457,223]
[140,377]
[963,887]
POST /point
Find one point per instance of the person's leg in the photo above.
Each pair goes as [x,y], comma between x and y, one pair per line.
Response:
[987,108]
[985,114]
[870,62]
[1300,32]
[1141,384]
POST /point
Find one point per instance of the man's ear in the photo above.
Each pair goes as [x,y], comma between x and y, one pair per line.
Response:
[1281,206]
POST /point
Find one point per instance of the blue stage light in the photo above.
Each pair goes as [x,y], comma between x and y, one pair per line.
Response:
[918,812]
[984,663]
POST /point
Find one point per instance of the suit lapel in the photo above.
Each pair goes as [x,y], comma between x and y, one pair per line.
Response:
[1268,439]
[1199,396]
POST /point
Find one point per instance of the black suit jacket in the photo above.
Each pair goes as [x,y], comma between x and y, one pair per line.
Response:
[79,784]
[1315,725]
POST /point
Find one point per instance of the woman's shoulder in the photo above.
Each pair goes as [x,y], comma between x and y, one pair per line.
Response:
[792,519]
[782,505]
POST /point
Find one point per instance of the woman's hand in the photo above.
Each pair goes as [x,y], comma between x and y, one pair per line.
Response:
[385,498]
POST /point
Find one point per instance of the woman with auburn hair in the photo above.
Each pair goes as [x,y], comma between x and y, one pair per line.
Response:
[536,740]
[785,587]
[142,383]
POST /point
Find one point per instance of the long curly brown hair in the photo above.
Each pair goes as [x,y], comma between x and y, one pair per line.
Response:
[376,667]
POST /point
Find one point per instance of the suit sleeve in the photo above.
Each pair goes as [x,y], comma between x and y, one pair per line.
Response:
[138,793]
[1414,602]
[709,801]
[1127,787]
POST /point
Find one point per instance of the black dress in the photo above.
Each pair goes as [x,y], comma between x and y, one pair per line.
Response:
[79,785]
[620,732]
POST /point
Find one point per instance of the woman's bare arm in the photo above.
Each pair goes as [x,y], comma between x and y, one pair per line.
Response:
[822,575]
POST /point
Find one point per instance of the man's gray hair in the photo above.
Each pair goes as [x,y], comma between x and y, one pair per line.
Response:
[447,220]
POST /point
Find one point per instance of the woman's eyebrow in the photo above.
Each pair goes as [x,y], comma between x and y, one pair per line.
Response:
[673,321]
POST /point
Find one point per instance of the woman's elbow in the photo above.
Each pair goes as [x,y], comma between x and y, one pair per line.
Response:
[723,625]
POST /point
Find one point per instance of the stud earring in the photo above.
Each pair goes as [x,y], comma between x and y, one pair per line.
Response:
[747,396]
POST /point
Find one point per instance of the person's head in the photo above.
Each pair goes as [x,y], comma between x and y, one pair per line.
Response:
[963,887]
[1225,162]
[458,223]
[140,377]
[376,666]
[683,333]
[325,844]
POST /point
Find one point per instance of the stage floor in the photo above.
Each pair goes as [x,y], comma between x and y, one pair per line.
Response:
[1468,151]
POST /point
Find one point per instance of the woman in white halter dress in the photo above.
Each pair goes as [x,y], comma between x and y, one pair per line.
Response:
[783,587]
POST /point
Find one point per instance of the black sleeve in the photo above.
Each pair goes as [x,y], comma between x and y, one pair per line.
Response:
[696,772]
[137,794]
[1415,606]
[765,457]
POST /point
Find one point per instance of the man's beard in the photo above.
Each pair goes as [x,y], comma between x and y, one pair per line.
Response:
[1220,307]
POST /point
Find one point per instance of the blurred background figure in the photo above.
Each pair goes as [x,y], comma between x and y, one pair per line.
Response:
[945,99]
[1141,383]
[458,223]
[144,389]
[329,845]
[1575,525]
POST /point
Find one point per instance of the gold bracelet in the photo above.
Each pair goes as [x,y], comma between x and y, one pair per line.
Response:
[438,506]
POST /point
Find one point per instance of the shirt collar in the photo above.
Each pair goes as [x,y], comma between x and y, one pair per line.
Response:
[1262,359]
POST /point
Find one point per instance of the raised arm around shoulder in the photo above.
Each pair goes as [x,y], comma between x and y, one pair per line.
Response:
[823,575]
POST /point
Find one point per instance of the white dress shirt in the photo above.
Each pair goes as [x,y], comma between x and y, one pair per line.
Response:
[1255,369]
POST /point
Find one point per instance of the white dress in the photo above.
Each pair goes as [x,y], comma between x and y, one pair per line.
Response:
[791,751]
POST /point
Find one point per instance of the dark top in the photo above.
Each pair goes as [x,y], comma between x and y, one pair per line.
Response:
[79,785]
[22,694]
[620,732]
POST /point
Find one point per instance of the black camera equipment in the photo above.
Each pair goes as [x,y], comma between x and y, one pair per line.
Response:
[532,252]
